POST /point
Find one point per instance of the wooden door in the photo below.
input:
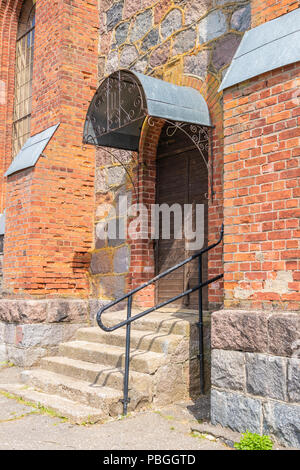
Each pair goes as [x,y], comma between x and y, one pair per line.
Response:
[182,178]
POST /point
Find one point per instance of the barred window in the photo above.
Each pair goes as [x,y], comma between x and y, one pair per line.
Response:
[23,76]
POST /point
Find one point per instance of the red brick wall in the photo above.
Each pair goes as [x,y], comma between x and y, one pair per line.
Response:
[261,192]
[142,260]
[266,10]
[209,89]
[49,227]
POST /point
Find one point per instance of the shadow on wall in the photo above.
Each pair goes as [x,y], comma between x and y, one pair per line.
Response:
[110,257]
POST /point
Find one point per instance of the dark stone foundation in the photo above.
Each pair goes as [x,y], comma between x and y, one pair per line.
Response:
[256,373]
[31,329]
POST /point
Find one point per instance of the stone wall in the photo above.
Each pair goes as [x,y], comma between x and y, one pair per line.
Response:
[184,42]
[151,37]
[32,329]
[256,373]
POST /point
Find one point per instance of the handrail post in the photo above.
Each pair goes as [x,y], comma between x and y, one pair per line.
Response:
[130,319]
[200,327]
[126,399]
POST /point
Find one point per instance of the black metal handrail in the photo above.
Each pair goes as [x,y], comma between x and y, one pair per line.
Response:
[130,319]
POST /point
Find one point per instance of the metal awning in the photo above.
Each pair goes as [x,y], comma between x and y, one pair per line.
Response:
[2,223]
[267,47]
[31,151]
[124,99]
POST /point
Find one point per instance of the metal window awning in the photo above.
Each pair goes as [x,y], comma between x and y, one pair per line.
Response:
[31,151]
[2,223]
[267,47]
[124,99]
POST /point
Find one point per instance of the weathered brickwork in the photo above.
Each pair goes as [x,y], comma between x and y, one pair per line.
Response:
[261,192]
[57,268]
[266,10]
[186,43]
[255,357]
[49,209]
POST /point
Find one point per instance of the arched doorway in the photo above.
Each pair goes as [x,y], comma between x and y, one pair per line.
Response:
[128,112]
[181,179]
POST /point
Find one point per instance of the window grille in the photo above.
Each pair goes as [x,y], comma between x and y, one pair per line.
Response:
[23,76]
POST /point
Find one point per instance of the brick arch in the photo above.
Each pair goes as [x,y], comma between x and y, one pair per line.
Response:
[142,261]
[209,90]
[28,8]
[142,265]
[9,15]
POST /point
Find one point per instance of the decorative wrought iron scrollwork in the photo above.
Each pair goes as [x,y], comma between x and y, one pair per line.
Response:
[118,102]
[199,135]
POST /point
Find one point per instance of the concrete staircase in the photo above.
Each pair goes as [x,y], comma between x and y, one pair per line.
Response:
[84,382]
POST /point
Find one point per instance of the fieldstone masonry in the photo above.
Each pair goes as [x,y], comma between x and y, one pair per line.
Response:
[255,142]
[178,26]
[241,19]
[171,40]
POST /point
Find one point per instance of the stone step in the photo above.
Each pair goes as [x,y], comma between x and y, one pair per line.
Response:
[76,412]
[73,389]
[94,395]
[141,361]
[175,322]
[142,340]
[98,374]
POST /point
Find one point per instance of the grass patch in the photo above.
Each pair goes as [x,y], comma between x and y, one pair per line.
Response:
[6,365]
[168,417]
[196,434]
[121,417]
[200,435]
[254,441]
[38,407]
[89,422]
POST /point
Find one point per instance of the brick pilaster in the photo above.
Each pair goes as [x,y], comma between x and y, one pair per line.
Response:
[266,10]
[50,207]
